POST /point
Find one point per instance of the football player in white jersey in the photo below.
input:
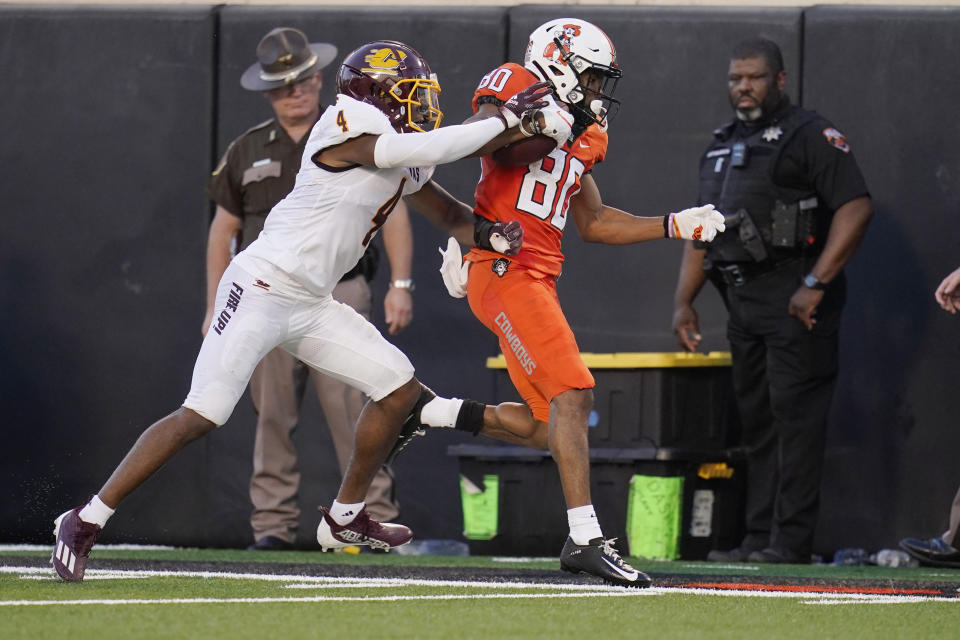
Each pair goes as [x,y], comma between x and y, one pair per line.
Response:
[377,144]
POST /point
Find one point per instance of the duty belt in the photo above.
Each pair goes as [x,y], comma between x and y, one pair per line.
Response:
[736,274]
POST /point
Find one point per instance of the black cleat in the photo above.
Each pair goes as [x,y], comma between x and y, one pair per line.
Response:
[412,427]
[737,554]
[270,543]
[599,558]
[771,555]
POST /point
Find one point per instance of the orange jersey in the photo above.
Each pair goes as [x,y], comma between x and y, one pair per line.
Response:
[538,195]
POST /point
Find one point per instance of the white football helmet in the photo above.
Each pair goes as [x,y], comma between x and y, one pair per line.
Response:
[561,51]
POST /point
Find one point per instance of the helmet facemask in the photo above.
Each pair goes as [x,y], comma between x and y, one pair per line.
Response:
[579,60]
[395,79]
[591,99]
[418,98]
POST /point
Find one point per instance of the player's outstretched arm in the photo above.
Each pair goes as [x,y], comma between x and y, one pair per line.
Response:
[488,110]
[417,149]
[598,222]
[440,146]
[551,119]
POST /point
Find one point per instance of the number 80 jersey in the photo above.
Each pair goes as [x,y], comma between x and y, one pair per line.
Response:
[538,195]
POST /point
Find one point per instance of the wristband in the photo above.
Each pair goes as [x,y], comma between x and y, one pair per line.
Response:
[403,283]
[481,232]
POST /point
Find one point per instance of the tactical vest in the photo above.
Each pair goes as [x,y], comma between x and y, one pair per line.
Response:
[765,222]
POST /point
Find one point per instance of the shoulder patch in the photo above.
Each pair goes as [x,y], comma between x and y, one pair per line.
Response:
[836,139]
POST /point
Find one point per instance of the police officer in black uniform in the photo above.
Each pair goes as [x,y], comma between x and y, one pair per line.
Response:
[796,208]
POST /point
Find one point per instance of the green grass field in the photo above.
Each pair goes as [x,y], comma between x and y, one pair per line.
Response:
[190,593]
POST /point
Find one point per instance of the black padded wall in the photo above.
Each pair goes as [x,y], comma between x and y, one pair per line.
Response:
[111,134]
[673,94]
[887,78]
[445,343]
[106,144]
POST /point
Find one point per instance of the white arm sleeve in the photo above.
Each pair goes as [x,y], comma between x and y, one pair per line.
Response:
[434,147]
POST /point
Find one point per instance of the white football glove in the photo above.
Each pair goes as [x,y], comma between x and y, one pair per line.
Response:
[557,122]
[697,223]
[453,269]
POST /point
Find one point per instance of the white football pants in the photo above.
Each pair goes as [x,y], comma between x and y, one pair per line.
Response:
[257,314]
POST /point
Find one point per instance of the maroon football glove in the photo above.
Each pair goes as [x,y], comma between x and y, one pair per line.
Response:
[531,98]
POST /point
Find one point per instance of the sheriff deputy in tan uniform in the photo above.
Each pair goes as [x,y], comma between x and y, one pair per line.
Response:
[257,171]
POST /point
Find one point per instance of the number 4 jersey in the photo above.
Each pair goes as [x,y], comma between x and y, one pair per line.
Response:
[538,195]
[320,230]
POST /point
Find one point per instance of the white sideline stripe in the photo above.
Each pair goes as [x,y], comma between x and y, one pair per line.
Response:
[522,559]
[342,585]
[322,580]
[809,597]
[884,600]
[326,582]
[620,593]
[86,578]
[107,547]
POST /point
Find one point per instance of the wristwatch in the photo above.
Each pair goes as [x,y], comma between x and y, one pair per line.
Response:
[405,283]
[811,281]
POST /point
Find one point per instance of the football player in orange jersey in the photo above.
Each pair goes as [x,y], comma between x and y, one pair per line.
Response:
[516,297]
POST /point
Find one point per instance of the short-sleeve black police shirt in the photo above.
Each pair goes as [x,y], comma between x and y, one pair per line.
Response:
[820,156]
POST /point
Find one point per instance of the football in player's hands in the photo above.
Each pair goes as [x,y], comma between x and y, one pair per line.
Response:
[523,152]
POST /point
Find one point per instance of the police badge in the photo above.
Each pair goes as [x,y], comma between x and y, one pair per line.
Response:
[500,266]
[772,134]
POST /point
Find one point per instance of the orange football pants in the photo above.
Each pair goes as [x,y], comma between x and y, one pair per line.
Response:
[522,309]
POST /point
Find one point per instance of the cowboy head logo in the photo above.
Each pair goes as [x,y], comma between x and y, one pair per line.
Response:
[566,34]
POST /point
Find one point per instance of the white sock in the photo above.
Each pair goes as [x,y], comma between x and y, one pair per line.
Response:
[344,514]
[441,412]
[95,512]
[584,525]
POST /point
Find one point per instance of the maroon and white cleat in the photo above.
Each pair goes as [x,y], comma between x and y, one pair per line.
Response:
[75,539]
[362,531]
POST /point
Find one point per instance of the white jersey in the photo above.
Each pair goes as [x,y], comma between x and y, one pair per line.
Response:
[320,230]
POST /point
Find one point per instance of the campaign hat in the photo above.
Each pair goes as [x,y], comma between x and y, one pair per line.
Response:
[285,56]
